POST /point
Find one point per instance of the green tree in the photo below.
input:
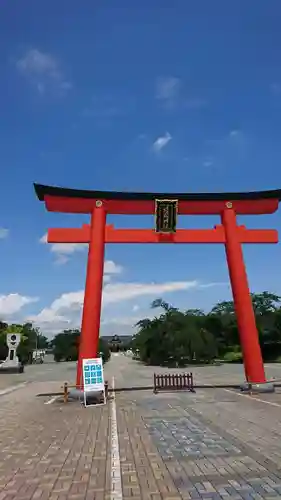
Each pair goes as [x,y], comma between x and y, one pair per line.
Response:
[184,337]
[30,338]
[3,344]
[104,350]
[265,303]
[66,346]
[174,337]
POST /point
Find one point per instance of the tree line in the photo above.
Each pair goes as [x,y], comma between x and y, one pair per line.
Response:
[31,339]
[173,337]
[64,345]
[178,338]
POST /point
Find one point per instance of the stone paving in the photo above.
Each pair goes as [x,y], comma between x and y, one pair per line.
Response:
[47,371]
[187,457]
[53,452]
[186,437]
[214,444]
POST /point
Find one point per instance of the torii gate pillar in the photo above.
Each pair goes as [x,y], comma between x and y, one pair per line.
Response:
[88,347]
[249,340]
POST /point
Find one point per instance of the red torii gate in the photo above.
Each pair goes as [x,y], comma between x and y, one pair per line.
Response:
[166,207]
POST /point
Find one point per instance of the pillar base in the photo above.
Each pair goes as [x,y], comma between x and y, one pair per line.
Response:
[264,387]
[8,369]
[94,397]
[75,393]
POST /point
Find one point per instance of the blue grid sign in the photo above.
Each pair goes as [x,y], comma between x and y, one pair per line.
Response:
[93,375]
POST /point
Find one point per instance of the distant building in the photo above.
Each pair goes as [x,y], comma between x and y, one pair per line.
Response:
[117,343]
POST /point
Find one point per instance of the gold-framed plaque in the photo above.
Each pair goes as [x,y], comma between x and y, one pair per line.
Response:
[166,214]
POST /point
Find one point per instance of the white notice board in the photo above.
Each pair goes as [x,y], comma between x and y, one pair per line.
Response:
[93,377]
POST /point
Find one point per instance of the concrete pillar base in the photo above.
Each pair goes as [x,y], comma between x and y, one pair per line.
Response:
[6,368]
[258,388]
[95,397]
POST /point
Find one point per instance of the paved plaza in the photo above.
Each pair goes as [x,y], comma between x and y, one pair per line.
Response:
[214,444]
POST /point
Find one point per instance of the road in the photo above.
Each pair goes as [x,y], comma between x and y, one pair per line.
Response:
[214,444]
[128,373]
[132,373]
[47,371]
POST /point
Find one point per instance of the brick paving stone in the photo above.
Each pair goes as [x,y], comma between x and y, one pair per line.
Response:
[209,445]
[52,452]
[202,459]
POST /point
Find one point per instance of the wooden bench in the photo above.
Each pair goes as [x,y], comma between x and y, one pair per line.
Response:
[173,382]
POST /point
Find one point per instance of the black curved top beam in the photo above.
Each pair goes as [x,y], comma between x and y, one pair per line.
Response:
[42,191]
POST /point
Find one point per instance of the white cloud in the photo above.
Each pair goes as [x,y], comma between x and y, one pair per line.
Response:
[207,163]
[234,133]
[214,283]
[232,148]
[63,252]
[228,139]
[43,70]
[161,142]
[68,248]
[14,302]
[169,91]
[65,311]
[111,268]
[116,292]
[237,139]
[167,88]
[123,320]
[124,325]
[4,233]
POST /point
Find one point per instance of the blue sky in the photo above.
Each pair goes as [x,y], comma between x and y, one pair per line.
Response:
[145,96]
